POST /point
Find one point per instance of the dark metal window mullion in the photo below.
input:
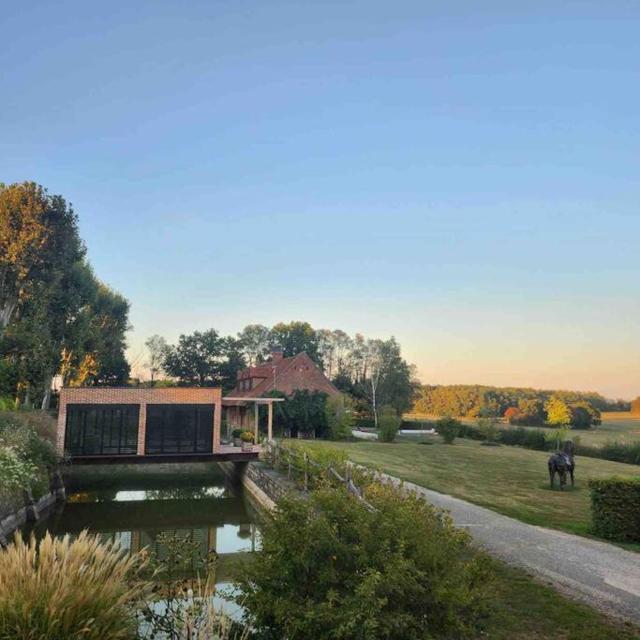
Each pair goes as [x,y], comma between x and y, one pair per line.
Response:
[196,424]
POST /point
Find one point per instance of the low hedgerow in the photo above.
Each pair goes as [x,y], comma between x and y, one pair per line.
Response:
[615,508]
[614,451]
[538,440]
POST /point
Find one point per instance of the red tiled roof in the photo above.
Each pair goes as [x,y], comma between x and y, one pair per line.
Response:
[285,375]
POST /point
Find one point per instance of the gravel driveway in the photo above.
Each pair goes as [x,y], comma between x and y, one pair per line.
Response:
[599,574]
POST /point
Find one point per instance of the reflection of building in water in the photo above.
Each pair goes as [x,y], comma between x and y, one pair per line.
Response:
[149,512]
[226,541]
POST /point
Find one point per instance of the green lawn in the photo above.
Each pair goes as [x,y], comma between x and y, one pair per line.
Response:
[510,480]
[525,609]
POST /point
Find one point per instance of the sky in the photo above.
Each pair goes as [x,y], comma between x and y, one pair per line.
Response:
[463,176]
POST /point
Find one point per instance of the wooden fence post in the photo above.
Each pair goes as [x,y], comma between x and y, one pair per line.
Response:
[306,471]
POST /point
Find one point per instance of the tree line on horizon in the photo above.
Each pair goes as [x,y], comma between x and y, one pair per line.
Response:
[56,317]
[524,404]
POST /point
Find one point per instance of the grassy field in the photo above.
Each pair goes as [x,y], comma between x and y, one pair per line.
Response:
[618,426]
[510,480]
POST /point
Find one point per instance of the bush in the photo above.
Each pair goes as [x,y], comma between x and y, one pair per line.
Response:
[236,433]
[57,589]
[448,428]
[246,436]
[489,429]
[15,473]
[330,568]
[339,413]
[615,508]
[388,424]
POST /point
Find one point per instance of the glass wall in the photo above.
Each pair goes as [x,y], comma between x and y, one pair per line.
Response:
[99,429]
[182,428]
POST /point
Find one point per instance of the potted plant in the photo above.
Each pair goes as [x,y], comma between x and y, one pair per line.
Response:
[247,440]
[235,434]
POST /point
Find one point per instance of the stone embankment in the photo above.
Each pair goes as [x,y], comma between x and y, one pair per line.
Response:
[31,510]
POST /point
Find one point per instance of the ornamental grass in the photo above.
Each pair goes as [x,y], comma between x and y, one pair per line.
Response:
[64,589]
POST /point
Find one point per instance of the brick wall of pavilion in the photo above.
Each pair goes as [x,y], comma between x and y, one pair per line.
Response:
[142,397]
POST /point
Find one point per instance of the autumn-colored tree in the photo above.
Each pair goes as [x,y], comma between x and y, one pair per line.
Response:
[558,412]
[39,242]
[55,315]
[635,407]
[512,414]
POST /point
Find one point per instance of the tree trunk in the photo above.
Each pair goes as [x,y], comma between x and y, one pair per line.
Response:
[27,396]
[6,313]
[46,398]
[373,402]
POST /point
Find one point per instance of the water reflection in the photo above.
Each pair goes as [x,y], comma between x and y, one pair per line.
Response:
[142,512]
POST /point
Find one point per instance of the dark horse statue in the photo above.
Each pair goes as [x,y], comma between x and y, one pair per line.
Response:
[562,462]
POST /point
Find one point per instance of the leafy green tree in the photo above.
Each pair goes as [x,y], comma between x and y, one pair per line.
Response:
[109,324]
[558,412]
[303,411]
[196,359]
[157,348]
[233,360]
[255,340]
[584,416]
[330,569]
[293,338]
[390,379]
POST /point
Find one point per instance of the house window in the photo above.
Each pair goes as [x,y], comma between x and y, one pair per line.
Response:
[101,429]
[182,428]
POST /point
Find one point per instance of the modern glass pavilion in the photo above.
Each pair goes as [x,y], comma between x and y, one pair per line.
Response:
[101,423]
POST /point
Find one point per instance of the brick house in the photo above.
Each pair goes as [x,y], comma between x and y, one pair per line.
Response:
[278,374]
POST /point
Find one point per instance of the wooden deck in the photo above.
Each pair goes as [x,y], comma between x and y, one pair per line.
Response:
[227,453]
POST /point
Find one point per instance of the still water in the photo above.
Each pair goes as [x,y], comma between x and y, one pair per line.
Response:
[143,510]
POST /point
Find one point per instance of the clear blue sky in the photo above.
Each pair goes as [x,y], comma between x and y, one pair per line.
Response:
[462,175]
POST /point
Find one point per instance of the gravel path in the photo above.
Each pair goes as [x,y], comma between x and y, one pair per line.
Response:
[599,574]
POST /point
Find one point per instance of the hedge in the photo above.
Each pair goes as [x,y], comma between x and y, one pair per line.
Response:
[535,439]
[615,508]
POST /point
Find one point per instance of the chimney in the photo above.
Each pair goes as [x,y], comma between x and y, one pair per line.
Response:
[276,355]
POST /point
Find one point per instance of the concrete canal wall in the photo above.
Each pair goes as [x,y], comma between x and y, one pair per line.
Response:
[30,510]
[262,485]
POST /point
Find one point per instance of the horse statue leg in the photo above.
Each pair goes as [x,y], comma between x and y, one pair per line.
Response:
[571,468]
[551,474]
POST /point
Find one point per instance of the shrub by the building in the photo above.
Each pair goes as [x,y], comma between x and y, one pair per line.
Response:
[615,508]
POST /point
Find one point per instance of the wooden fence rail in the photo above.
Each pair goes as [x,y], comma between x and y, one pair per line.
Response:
[308,470]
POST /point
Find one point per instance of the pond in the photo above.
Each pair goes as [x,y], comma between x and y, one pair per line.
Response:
[139,510]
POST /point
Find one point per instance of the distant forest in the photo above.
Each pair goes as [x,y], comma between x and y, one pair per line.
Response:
[475,400]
